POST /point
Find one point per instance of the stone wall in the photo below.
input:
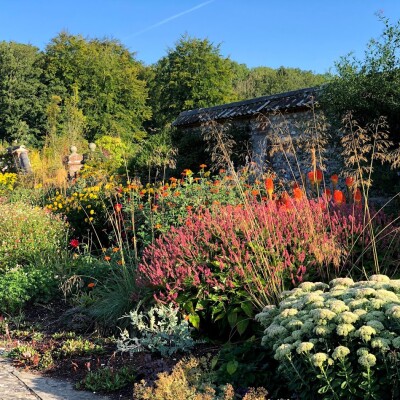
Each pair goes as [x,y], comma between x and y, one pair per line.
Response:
[283,143]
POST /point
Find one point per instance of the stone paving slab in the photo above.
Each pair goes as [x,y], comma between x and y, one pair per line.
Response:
[22,385]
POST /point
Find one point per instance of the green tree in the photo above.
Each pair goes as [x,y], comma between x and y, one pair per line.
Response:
[112,96]
[193,74]
[265,81]
[22,96]
[369,87]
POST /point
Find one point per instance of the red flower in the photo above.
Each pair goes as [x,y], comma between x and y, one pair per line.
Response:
[91,285]
[349,181]
[338,197]
[297,193]
[74,243]
[334,179]
[315,176]
[357,196]
[328,193]
[118,207]
[269,186]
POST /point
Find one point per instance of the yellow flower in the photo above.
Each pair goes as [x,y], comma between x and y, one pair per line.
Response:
[91,212]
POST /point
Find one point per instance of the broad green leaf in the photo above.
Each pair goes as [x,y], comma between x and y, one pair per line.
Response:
[232,318]
[232,366]
[242,326]
[247,307]
[194,319]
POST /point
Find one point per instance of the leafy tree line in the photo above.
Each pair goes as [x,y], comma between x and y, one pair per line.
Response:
[114,93]
[88,89]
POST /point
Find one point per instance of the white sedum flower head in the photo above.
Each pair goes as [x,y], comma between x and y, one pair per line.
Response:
[319,359]
[348,317]
[342,282]
[379,278]
[304,347]
[288,312]
[283,351]
[368,360]
[366,332]
[380,343]
[322,314]
[344,329]
[340,352]
[337,306]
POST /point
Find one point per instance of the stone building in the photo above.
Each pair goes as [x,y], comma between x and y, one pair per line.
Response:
[288,133]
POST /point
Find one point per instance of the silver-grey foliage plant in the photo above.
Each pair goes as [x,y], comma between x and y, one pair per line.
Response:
[159,330]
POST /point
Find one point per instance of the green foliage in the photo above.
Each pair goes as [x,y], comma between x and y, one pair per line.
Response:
[7,183]
[115,153]
[160,330]
[156,156]
[265,81]
[107,379]
[114,297]
[79,346]
[244,365]
[20,285]
[192,75]
[25,355]
[369,87]
[339,340]
[28,234]
[192,378]
[21,92]
[112,97]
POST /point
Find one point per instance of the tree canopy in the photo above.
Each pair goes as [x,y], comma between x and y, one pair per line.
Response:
[21,92]
[112,96]
[369,87]
[193,74]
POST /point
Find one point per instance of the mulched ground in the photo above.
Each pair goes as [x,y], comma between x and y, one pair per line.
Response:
[37,327]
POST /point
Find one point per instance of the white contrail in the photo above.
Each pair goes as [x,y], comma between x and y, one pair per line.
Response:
[164,21]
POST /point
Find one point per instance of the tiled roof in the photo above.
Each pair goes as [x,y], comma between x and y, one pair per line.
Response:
[288,101]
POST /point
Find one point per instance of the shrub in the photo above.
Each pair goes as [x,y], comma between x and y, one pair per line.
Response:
[160,331]
[7,182]
[191,379]
[28,234]
[228,257]
[20,285]
[339,340]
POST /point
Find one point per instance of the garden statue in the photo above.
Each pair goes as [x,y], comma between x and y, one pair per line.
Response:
[74,163]
[21,159]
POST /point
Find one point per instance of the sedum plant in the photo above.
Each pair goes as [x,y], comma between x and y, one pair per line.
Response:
[160,330]
[339,340]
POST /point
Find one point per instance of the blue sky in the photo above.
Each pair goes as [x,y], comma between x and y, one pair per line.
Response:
[308,34]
